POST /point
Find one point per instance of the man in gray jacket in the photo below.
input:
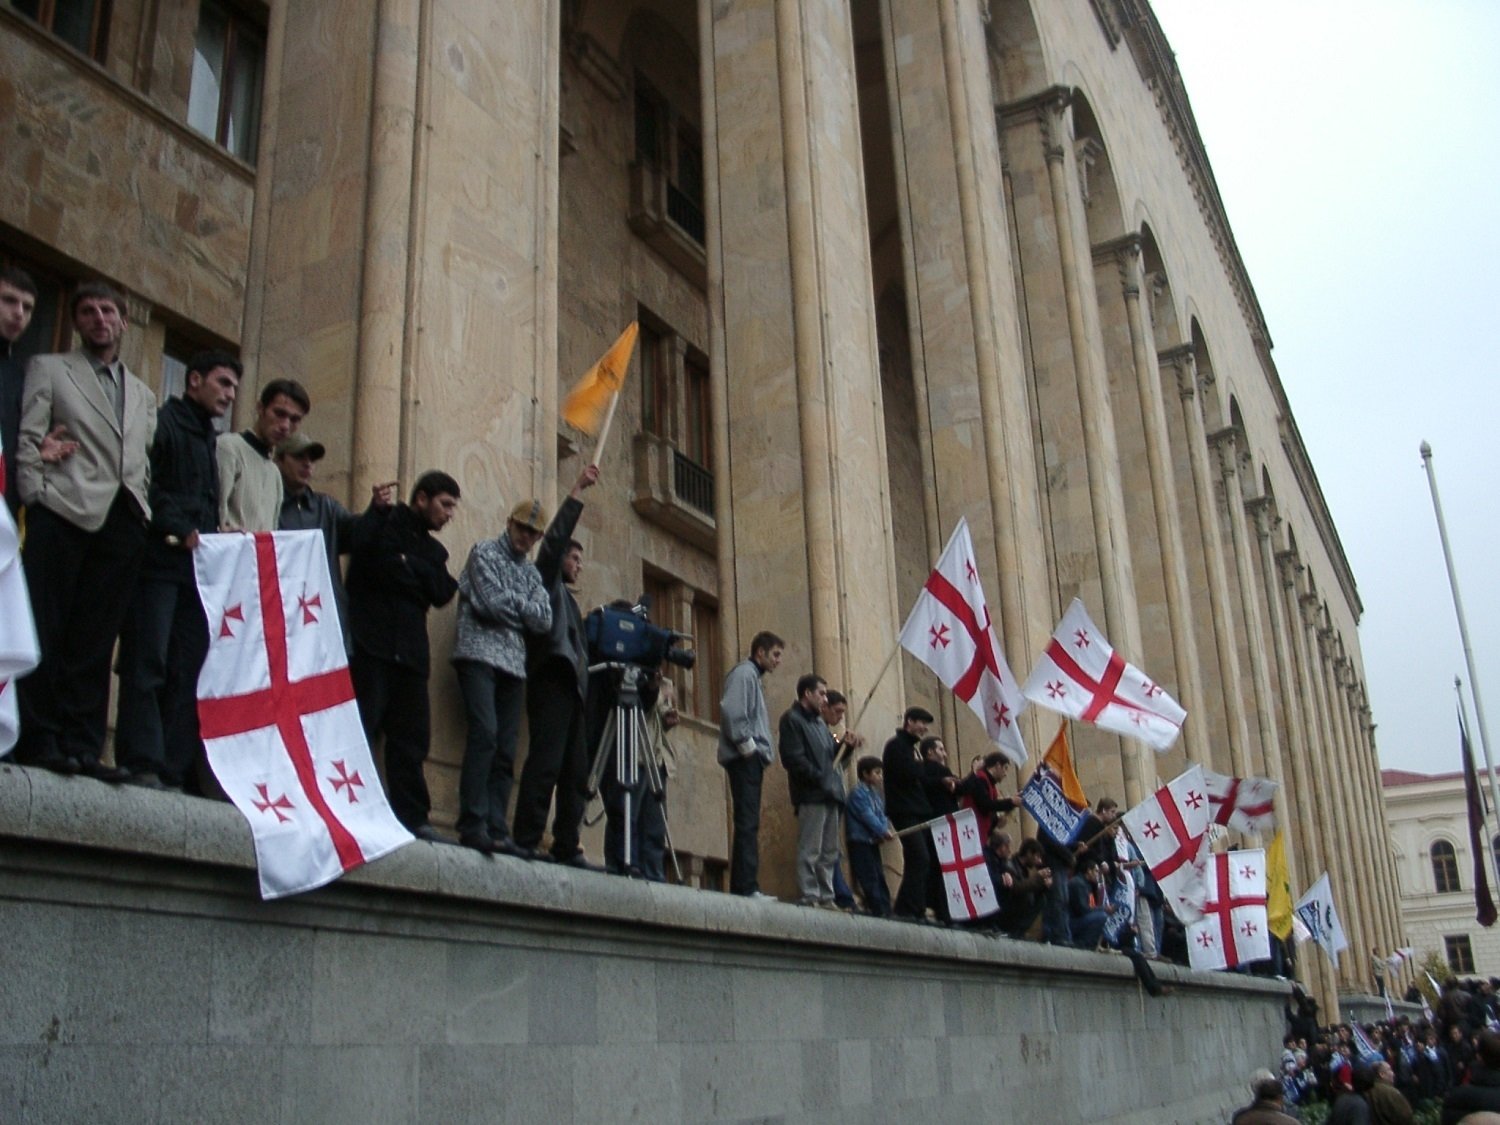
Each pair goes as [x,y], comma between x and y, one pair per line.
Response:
[500,598]
[817,789]
[745,752]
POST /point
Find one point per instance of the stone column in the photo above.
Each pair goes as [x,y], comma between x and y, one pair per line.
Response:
[1370,803]
[1038,131]
[1127,255]
[1366,729]
[1237,735]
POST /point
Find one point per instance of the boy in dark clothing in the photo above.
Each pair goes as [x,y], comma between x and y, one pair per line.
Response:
[867,827]
[908,804]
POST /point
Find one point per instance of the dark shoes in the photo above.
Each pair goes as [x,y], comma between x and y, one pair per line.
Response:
[430,834]
[100,772]
[479,841]
[579,861]
[146,780]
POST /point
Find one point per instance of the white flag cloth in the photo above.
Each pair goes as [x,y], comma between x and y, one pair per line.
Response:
[949,630]
[1316,913]
[1234,929]
[19,651]
[277,711]
[966,877]
[1242,803]
[1170,827]
[1083,677]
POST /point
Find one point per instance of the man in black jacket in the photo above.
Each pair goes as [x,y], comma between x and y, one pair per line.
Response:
[817,790]
[1483,1090]
[557,678]
[907,805]
[17,303]
[165,637]
[397,572]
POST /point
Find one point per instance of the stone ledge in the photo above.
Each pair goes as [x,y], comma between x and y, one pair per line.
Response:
[79,813]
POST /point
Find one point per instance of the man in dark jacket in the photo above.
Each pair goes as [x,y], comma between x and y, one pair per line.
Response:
[557,677]
[1483,1090]
[165,637]
[907,804]
[817,790]
[397,572]
[1267,1108]
[17,303]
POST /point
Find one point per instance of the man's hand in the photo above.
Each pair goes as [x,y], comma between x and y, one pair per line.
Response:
[57,446]
[1006,881]
[586,479]
[191,542]
[383,495]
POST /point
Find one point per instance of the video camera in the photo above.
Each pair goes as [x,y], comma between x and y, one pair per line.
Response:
[626,636]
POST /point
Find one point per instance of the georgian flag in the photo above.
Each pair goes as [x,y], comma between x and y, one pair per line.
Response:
[1316,914]
[1234,929]
[1242,803]
[19,650]
[277,713]
[1080,675]
[966,877]
[949,630]
[1170,828]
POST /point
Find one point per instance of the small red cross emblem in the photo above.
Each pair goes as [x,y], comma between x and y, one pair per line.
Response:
[1151,690]
[980,891]
[1152,830]
[969,568]
[1002,714]
[1138,718]
[346,779]
[1205,940]
[1083,638]
[233,613]
[942,839]
[307,605]
[265,804]
[968,831]
[1056,689]
[939,636]
[1247,872]
[1194,799]
[1249,929]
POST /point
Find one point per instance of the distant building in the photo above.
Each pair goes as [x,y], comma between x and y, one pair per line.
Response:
[1435,870]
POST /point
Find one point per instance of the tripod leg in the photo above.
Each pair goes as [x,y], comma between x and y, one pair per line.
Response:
[596,773]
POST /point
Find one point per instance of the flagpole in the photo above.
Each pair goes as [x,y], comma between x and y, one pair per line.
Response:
[879,676]
[1463,625]
[609,418]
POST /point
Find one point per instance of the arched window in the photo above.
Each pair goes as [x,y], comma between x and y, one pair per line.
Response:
[1445,867]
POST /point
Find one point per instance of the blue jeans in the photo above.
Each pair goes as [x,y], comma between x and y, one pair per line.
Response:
[869,875]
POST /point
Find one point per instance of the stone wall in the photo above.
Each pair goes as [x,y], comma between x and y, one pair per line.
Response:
[146,982]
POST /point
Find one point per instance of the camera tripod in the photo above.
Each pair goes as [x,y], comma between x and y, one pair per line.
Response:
[625,742]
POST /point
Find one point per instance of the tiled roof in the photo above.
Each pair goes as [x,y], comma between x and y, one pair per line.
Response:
[1391,778]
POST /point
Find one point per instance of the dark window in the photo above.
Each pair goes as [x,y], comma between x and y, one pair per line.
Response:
[1460,953]
[228,59]
[650,117]
[1445,868]
[697,437]
[81,24]
[660,589]
[708,672]
[668,143]
[656,383]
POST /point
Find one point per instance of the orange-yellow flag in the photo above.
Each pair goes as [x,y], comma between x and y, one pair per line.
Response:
[1060,761]
[586,403]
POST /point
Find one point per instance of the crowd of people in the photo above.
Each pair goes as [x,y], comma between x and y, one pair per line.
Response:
[1444,1065]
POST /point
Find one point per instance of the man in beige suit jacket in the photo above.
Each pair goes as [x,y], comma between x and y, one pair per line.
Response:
[86,430]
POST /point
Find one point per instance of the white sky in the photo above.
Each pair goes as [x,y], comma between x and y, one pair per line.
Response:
[1355,147]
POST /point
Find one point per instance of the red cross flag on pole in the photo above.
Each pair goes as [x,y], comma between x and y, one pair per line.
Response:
[19,651]
[1233,930]
[966,877]
[1243,803]
[1170,827]
[1083,677]
[949,630]
[277,712]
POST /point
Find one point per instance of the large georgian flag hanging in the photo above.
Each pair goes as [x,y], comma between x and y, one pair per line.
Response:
[1233,930]
[966,877]
[1243,803]
[19,651]
[277,711]
[1083,677]
[1170,828]
[949,630]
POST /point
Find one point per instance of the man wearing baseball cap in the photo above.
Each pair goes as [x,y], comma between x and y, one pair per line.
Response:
[500,599]
[305,509]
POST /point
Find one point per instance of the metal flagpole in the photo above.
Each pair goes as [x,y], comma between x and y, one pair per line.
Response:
[1463,626]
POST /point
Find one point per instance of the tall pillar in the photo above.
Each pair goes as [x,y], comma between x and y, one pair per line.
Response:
[801,379]
[1366,728]
[1307,856]
[1055,257]
[1237,735]
[1369,800]
[1127,256]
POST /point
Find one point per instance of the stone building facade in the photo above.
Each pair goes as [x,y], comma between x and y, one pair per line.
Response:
[895,261]
[1435,870]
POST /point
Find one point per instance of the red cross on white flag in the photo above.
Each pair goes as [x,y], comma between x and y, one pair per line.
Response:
[966,877]
[1234,929]
[1083,677]
[19,651]
[1242,803]
[950,631]
[1171,829]
[278,716]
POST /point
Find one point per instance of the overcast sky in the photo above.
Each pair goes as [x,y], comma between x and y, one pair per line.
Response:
[1354,145]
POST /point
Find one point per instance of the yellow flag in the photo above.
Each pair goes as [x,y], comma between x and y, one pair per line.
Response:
[1060,761]
[586,403]
[1278,889]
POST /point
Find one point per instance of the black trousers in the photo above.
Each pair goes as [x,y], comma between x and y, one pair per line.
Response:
[916,871]
[556,761]
[492,707]
[393,701]
[745,778]
[80,584]
[162,647]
